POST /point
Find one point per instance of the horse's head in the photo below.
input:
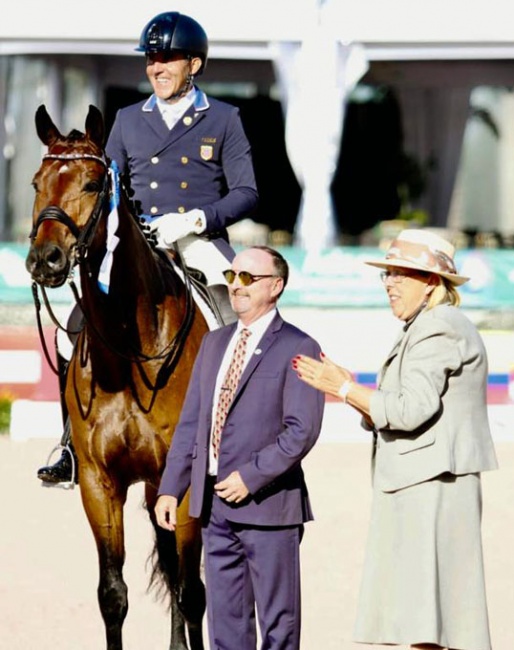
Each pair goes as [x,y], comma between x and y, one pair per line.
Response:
[70,186]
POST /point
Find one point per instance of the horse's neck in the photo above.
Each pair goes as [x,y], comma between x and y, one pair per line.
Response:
[136,287]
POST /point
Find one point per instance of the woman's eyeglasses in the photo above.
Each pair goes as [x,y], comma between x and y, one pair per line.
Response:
[396,276]
[245,277]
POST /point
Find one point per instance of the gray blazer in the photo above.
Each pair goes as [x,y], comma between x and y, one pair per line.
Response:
[430,412]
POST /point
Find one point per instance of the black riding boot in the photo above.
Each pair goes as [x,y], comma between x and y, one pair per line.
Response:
[219,293]
[64,470]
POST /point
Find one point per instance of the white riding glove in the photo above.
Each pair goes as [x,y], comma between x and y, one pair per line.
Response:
[173,226]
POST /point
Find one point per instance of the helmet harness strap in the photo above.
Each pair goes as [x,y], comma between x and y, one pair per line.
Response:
[187,85]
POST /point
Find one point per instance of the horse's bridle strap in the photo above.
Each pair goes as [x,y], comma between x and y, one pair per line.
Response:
[55,213]
[76,156]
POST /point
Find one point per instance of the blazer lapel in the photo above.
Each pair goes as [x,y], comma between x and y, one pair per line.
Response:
[393,352]
[267,341]
[165,136]
[155,122]
[220,344]
[187,122]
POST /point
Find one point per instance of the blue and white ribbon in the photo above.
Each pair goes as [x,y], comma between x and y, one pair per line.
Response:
[104,276]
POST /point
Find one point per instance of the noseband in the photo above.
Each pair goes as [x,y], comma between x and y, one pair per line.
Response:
[85,235]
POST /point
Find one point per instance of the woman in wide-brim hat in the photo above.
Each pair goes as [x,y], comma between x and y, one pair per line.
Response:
[423,580]
[422,250]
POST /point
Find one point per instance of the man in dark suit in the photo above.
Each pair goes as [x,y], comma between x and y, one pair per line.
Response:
[243,464]
[188,164]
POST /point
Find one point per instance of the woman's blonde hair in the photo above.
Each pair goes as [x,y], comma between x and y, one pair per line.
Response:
[444,292]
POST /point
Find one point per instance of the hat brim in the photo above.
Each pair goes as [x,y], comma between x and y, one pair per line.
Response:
[383,264]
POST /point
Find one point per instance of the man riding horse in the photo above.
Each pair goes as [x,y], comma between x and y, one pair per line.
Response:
[187,163]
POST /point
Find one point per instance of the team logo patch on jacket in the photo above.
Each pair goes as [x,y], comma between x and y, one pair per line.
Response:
[206,152]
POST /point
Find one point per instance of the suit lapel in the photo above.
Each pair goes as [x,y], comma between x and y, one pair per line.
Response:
[268,339]
[219,346]
[188,121]
[155,122]
[392,354]
[166,137]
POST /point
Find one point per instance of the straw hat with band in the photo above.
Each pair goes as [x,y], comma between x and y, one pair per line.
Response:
[421,250]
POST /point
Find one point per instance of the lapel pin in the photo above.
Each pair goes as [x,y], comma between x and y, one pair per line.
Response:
[188,120]
[258,351]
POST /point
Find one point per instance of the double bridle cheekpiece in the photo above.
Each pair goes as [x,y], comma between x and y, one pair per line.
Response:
[170,353]
[84,236]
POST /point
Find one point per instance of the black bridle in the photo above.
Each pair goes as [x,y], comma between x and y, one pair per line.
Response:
[83,239]
[85,235]
[171,352]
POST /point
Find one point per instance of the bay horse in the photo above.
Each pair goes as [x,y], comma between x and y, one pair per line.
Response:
[130,367]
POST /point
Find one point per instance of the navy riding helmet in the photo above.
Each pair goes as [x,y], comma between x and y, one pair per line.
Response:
[174,32]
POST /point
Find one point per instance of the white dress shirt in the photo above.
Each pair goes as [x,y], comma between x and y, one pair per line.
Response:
[171,113]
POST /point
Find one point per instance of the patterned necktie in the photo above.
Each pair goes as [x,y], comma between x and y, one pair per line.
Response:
[228,388]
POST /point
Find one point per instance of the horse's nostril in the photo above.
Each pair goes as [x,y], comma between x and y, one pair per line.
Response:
[55,257]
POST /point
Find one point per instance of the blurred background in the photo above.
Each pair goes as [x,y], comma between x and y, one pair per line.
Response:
[358,113]
[364,118]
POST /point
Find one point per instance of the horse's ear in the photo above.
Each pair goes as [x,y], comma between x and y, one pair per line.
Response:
[95,126]
[47,132]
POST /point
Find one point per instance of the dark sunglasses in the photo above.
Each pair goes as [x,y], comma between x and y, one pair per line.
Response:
[245,277]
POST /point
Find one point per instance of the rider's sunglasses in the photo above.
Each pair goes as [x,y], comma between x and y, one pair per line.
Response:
[245,277]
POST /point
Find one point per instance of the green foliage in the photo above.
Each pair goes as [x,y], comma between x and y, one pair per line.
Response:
[5,412]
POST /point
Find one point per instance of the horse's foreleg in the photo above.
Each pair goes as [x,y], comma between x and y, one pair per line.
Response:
[112,596]
[104,509]
[167,560]
[191,588]
[179,567]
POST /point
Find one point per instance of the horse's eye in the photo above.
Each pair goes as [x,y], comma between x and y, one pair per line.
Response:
[92,187]
[34,185]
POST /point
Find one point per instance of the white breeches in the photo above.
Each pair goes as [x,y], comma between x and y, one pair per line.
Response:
[203,255]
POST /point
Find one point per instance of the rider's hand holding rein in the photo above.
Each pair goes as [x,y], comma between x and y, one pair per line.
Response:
[173,226]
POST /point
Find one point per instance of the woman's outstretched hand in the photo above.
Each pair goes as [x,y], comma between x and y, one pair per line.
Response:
[324,375]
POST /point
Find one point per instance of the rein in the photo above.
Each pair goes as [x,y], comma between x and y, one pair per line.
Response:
[170,354]
[50,311]
[83,237]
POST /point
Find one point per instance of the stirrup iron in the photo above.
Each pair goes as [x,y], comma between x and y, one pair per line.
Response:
[64,485]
